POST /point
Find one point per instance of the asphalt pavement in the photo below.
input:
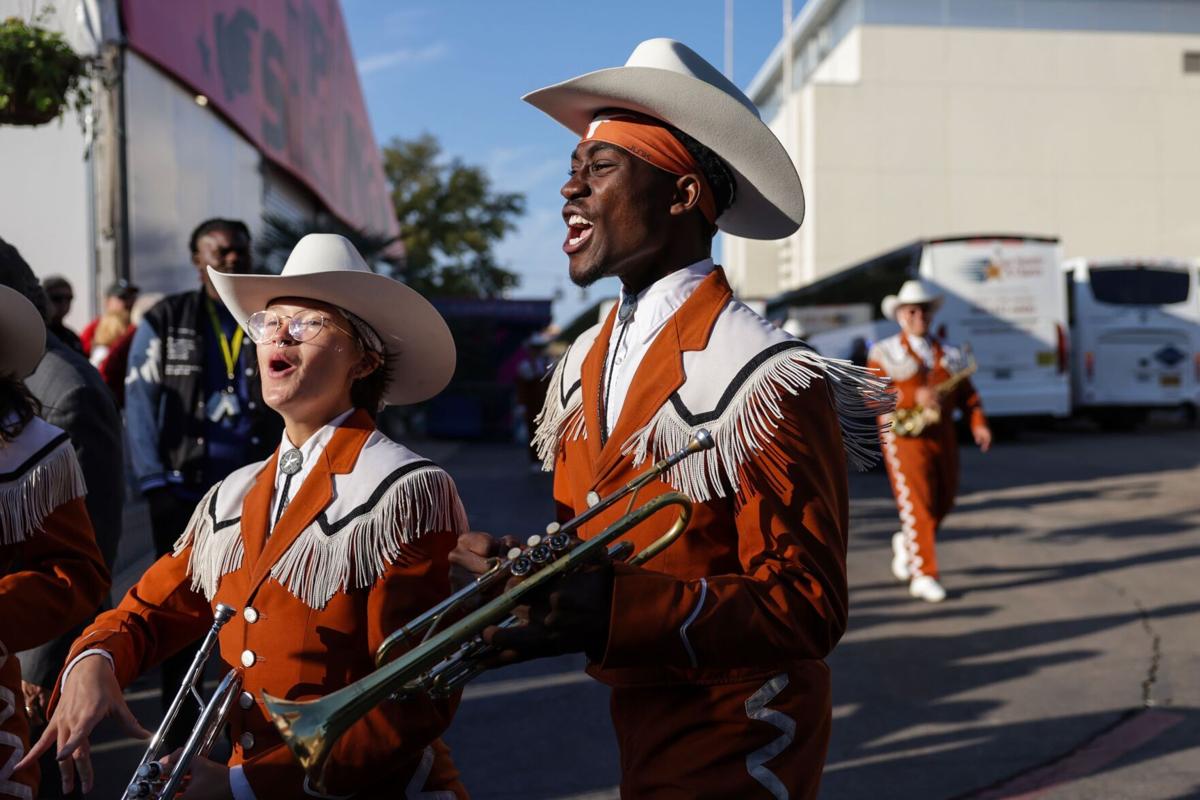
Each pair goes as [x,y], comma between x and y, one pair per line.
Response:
[1062,665]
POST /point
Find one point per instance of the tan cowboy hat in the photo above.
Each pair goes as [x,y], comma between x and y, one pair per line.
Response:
[22,334]
[669,81]
[912,293]
[327,267]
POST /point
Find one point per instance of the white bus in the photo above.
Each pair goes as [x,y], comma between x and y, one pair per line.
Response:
[1004,300]
[1135,330]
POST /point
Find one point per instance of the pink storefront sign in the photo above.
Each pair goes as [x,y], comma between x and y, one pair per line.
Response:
[282,72]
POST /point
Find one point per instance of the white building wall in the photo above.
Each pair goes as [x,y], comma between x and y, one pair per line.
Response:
[44,209]
[1090,136]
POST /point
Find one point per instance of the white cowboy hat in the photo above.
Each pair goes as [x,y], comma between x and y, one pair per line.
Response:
[912,293]
[22,334]
[667,80]
[327,267]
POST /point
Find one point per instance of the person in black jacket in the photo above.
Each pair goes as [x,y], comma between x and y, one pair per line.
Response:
[193,401]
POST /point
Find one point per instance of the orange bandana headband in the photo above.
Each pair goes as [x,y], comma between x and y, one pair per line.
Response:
[650,141]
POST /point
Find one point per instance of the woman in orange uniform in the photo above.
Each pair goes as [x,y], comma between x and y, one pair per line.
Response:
[923,468]
[51,574]
[324,549]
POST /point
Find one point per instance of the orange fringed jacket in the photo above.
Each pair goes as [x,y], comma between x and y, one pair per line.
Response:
[715,648]
[52,576]
[361,549]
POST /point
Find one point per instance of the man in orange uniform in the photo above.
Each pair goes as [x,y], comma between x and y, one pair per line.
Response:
[714,650]
[924,467]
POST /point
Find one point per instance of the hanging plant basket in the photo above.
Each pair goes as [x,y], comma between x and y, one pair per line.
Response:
[40,75]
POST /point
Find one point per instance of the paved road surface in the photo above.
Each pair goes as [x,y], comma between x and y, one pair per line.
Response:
[1063,665]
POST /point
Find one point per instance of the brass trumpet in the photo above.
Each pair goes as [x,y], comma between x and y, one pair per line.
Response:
[150,779]
[913,421]
[442,662]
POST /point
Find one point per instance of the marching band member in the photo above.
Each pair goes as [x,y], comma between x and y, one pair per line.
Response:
[325,548]
[52,576]
[715,649]
[923,468]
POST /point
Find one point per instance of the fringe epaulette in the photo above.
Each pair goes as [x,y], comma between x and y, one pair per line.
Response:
[38,473]
[326,559]
[348,546]
[750,413]
[737,388]
[561,417]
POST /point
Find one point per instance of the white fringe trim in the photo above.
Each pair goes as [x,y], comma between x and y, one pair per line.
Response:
[26,501]
[557,423]
[316,566]
[749,422]
[215,553]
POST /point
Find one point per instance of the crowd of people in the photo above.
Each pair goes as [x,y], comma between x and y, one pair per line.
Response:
[249,410]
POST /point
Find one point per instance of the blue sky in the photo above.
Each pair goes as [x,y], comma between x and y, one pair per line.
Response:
[458,68]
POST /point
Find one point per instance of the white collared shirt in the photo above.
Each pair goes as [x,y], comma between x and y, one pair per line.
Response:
[922,347]
[629,341]
[310,450]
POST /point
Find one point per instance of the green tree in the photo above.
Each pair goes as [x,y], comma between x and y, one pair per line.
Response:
[450,220]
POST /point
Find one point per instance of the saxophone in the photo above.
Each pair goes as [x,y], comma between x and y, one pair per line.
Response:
[914,421]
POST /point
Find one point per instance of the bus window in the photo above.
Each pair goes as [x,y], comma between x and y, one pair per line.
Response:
[1126,286]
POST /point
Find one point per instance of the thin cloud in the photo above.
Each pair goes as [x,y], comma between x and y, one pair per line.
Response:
[405,55]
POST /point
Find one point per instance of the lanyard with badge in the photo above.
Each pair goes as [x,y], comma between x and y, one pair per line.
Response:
[225,404]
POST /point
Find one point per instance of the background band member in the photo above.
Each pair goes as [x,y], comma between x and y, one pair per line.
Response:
[325,548]
[923,468]
[51,572]
[714,651]
[73,397]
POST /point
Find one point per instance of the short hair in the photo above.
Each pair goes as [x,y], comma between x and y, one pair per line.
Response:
[52,282]
[16,274]
[715,171]
[232,226]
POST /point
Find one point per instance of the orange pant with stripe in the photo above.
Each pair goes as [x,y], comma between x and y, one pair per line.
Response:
[924,475]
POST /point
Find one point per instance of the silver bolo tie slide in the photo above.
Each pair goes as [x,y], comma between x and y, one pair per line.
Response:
[289,464]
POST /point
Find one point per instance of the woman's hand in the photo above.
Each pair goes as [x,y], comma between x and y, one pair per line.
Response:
[206,780]
[90,694]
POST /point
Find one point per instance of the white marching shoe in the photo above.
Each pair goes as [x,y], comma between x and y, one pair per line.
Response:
[926,588]
[899,558]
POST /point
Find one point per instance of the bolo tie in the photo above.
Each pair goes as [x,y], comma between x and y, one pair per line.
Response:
[289,464]
[624,316]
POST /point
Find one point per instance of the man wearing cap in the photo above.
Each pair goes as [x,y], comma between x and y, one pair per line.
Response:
[714,651]
[922,457]
[119,298]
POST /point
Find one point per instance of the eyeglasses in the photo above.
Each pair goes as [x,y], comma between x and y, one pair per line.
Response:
[263,326]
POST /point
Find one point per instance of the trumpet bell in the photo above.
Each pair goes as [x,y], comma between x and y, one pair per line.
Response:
[304,725]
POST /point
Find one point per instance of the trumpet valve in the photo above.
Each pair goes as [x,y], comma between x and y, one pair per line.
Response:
[533,541]
[558,542]
[521,566]
[553,528]
[514,554]
[540,554]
